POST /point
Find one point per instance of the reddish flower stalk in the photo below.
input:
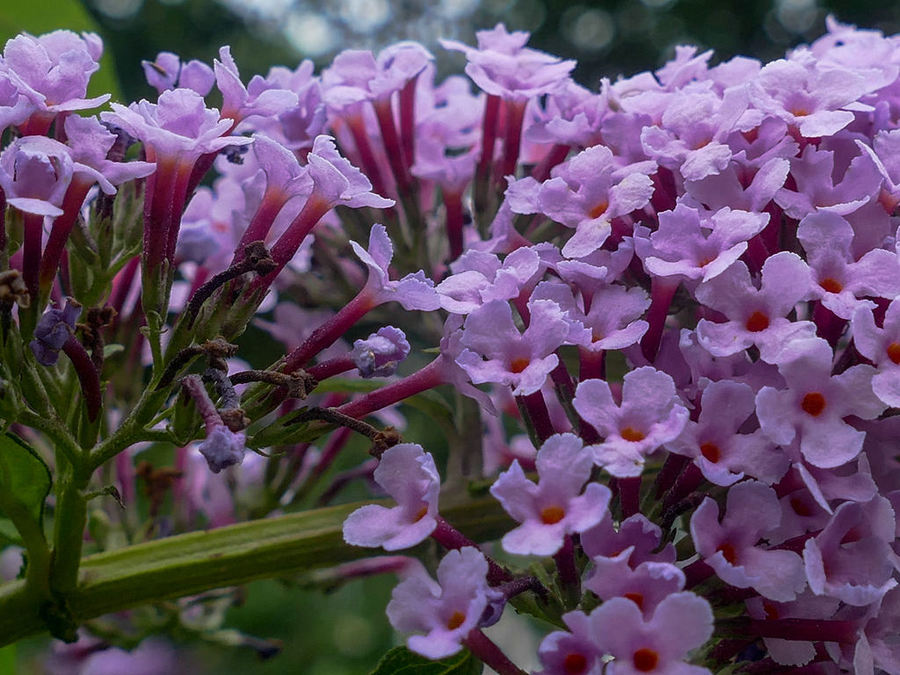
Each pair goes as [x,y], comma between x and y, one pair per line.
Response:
[393,149]
[272,202]
[408,122]
[489,653]
[289,242]
[31,253]
[512,138]
[325,335]
[662,291]
[60,230]
[557,155]
[366,155]
[535,408]
[87,376]
[454,216]
[427,378]
[452,539]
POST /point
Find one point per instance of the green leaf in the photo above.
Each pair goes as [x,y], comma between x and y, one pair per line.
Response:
[42,16]
[24,480]
[401,661]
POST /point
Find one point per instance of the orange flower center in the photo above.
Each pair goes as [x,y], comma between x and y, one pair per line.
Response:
[574,664]
[598,210]
[728,552]
[518,365]
[800,507]
[636,598]
[893,352]
[550,515]
[456,620]
[711,452]
[831,285]
[813,403]
[757,322]
[632,434]
[421,513]
[645,660]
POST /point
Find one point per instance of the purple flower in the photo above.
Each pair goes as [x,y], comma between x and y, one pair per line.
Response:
[407,473]
[259,97]
[696,245]
[838,279]
[381,352]
[692,132]
[298,126]
[53,329]
[714,442]
[756,317]
[813,406]
[814,99]
[730,547]
[649,416]
[35,173]
[572,652]
[819,189]
[555,507]
[168,72]
[503,66]
[586,193]
[851,559]
[446,610]
[682,622]
[882,347]
[635,535]
[53,70]
[89,144]
[223,448]
[495,350]
[646,585]
[337,181]
[414,291]
[613,319]
[479,277]
[179,125]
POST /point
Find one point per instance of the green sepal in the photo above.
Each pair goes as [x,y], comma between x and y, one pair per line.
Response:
[401,661]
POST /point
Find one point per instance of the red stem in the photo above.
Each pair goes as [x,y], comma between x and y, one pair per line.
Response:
[60,230]
[31,253]
[366,156]
[259,227]
[455,223]
[408,122]
[385,115]
[557,155]
[515,115]
[490,654]
[662,290]
[427,378]
[326,334]
[87,376]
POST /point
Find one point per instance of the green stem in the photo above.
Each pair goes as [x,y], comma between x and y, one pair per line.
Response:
[70,518]
[200,561]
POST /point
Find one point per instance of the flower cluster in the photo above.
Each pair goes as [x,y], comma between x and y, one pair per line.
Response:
[682,292]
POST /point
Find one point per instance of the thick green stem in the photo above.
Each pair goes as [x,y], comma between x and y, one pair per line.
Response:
[200,561]
[68,531]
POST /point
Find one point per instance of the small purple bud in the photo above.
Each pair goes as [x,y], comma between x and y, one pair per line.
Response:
[52,331]
[223,448]
[379,354]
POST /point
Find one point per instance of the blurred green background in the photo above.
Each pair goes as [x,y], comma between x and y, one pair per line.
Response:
[346,632]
